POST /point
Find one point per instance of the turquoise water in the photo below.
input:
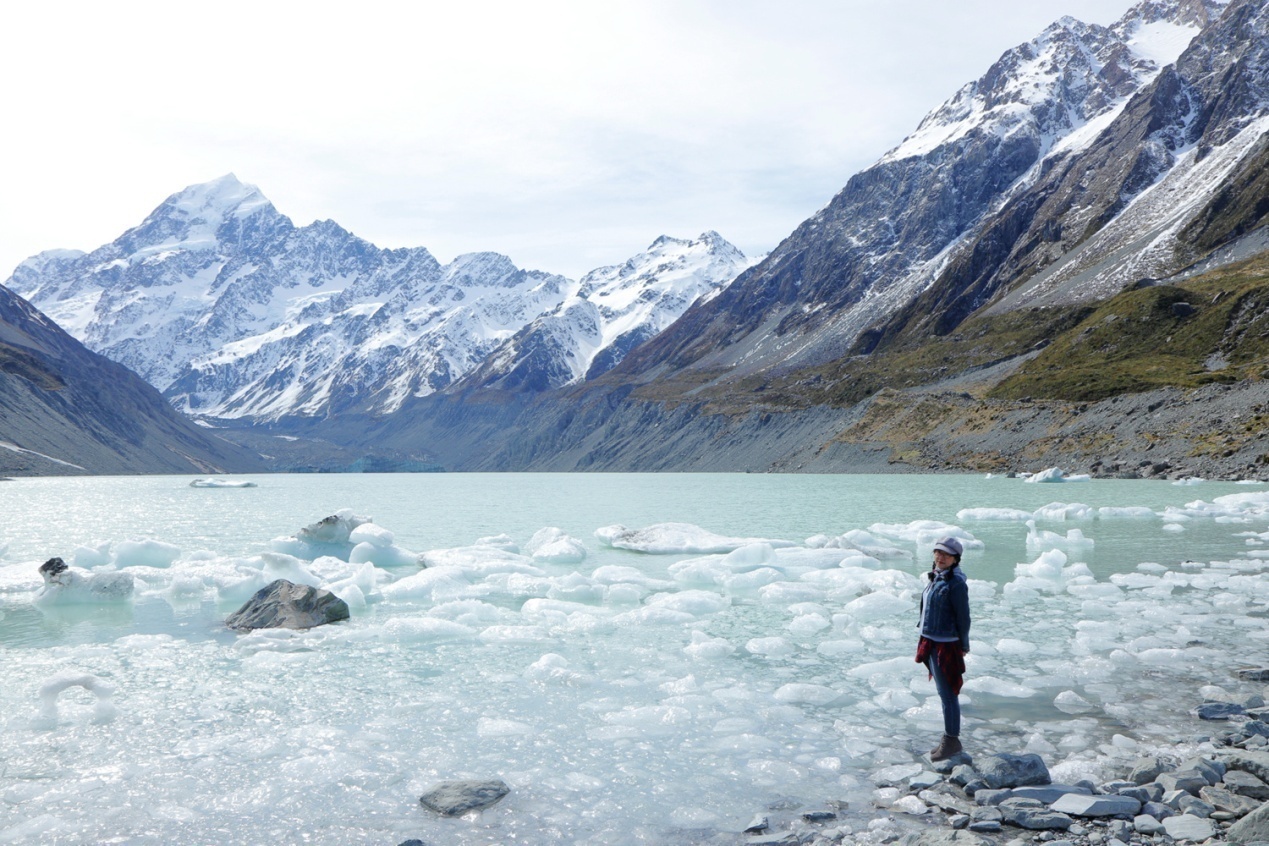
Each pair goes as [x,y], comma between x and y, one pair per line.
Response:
[626,697]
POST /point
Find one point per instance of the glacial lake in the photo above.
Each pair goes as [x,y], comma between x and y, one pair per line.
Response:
[682,652]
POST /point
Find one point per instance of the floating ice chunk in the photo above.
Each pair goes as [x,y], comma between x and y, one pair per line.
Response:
[1055,474]
[877,606]
[1151,567]
[555,546]
[611,574]
[838,648]
[706,648]
[328,536]
[221,483]
[771,647]
[554,669]
[353,597]
[431,584]
[1188,481]
[694,602]
[801,693]
[1064,511]
[64,586]
[808,625]
[1011,515]
[504,542]
[998,687]
[576,588]
[1013,646]
[514,634]
[89,557]
[674,538]
[103,710]
[491,727]
[1039,540]
[388,556]
[145,553]
[424,630]
[280,566]
[892,668]
[372,534]
[749,557]
[895,700]
[1173,527]
[481,558]
[752,581]
[1135,512]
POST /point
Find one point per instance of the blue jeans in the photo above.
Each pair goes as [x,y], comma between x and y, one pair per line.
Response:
[951,702]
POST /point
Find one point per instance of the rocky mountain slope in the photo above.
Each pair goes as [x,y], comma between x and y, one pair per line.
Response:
[66,411]
[232,311]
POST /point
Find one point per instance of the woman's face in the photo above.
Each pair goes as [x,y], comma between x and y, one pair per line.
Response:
[942,560]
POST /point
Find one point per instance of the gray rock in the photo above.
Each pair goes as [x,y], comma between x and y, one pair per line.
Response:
[819,816]
[1190,781]
[1256,742]
[455,798]
[1195,806]
[787,838]
[992,797]
[757,825]
[1114,786]
[986,826]
[1255,674]
[975,785]
[1048,793]
[1218,711]
[1173,798]
[1256,763]
[1252,828]
[947,798]
[1188,827]
[1005,770]
[414,841]
[924,780]
[1148,769]
[1223,799]
[1030,814]
[960,759]
[963,775]
[1210,769]
[1146,824]
[1121,830]
[958,821]
[1246,784]
[1255,728]
[987,814]
[1081,805]
[284,605]
[1139,793]
[1158,810]
[940,837]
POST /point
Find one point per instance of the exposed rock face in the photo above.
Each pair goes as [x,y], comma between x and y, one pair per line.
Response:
[1007,770]
[66,410]
[286,605]
[455,798]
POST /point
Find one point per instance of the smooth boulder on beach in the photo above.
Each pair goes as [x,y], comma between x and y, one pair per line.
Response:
[286,605]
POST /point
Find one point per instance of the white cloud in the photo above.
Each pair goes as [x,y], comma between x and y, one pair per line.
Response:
[565,134]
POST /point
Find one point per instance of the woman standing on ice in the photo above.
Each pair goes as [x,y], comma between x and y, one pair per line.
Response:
[944,640]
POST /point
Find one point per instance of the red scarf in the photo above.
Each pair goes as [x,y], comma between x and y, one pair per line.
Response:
[951,660]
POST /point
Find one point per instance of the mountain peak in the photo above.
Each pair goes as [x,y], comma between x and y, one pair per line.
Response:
[224,196]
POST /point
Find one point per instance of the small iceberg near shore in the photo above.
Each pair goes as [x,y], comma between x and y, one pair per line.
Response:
[221,483]
[1055,474]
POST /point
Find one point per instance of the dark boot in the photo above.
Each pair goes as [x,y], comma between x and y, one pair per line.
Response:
[948,746]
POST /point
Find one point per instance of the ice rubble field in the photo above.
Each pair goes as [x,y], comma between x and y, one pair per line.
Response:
[639,685]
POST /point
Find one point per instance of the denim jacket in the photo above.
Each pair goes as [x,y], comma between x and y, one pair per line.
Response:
[948,616]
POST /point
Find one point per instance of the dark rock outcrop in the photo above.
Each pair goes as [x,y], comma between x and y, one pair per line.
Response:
[455,798]
[286,605]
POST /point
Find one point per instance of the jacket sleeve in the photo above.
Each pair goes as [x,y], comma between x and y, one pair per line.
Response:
[960,611]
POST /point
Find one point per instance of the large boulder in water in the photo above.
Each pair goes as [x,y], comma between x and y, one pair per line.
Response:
[286,605]
[454,798]
[1005,770]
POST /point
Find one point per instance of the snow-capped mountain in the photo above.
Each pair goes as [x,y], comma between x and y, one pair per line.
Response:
[613,311]
[890,233]
[233,312]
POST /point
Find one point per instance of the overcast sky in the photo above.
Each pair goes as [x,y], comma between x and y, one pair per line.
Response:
[567,135]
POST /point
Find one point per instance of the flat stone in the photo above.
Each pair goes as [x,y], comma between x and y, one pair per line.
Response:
[1189,781]
[985,826]
[1148,769]
[1158,810]
[1223,799]
[1246,784]
[1256,763]
[940,837]
[1255,674]
[1255,728]
[924,780]
[1210,770]
[1006,770]
[1146,824]
[1030,814]
[1252,828]
[962,774]
[992,797]
[958,821]
[1048,793]
[455,798]
[1188,827]
[757,825]
[1080,805]
[947,800]
[286,605]
[947,765]
[1195,806]
[1218,711]
[1139,793]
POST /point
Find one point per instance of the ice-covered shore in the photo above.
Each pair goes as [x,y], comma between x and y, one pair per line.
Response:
[659,694]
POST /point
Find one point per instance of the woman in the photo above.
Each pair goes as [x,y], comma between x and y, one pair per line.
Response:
[944,640]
